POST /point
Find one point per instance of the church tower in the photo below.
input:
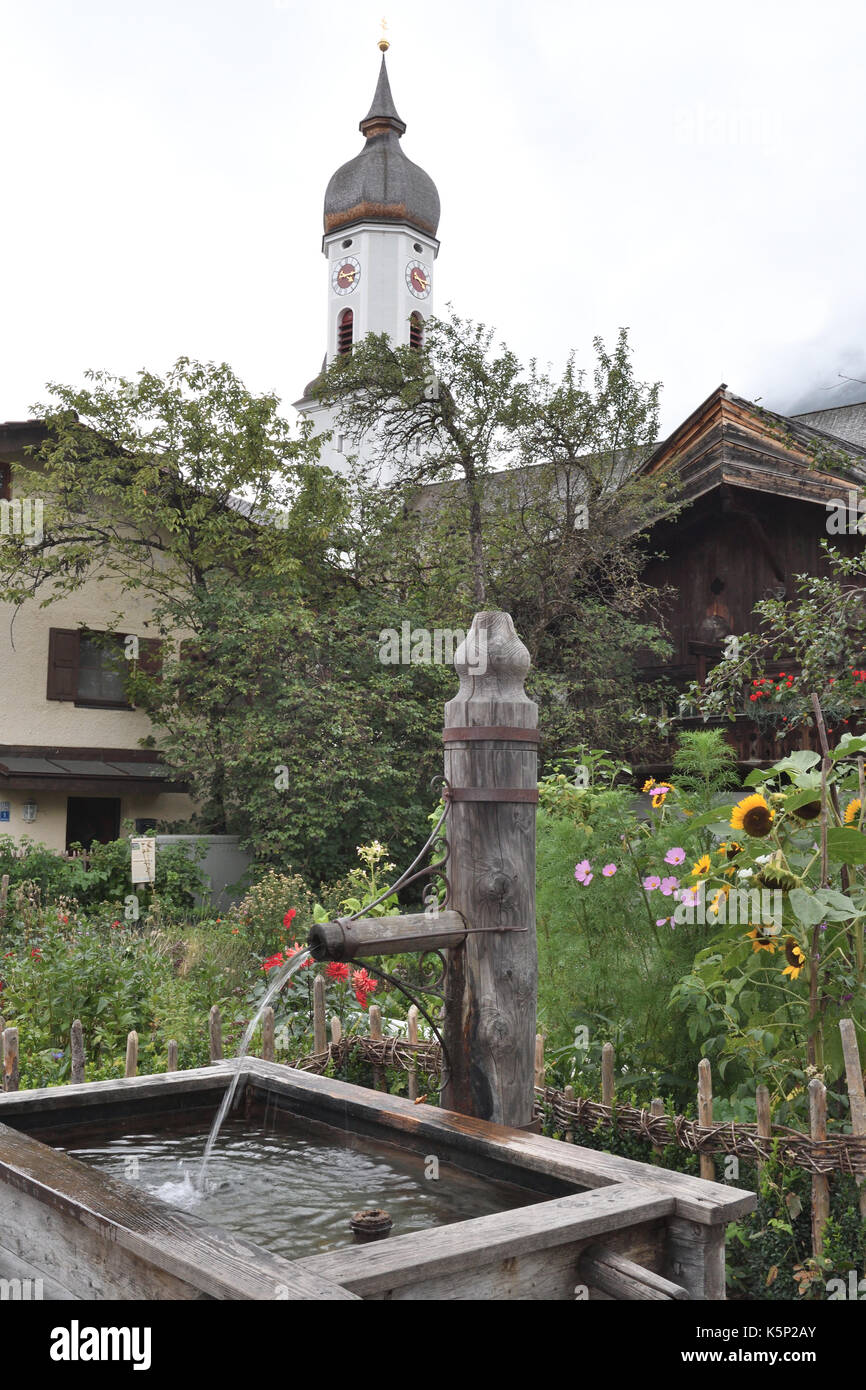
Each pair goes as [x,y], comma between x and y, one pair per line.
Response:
[380,221]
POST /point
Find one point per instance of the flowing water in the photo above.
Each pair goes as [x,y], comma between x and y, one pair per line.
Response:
[293,1189]
[278,979]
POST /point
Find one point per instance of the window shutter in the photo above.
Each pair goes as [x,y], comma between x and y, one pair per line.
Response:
[150,655]
[63,648]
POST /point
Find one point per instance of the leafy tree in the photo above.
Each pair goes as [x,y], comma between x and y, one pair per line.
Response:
[275,709]
[520,491]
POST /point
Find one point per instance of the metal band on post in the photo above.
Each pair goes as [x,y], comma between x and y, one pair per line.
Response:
[524,794]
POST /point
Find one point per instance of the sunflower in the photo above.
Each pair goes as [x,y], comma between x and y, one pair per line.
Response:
[795,957]
[852,811]
[650,782]
[719,897]
[762,938]
[811,811]
[730,848]
[659,792]
[702,867]
[753,815]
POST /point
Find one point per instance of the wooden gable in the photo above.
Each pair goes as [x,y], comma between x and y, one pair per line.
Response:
[731,442]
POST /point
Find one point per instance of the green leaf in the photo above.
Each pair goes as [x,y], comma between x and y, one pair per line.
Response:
[847,747]
[719,815]
[846,845]
[805,907]
[801,760]
[840,901]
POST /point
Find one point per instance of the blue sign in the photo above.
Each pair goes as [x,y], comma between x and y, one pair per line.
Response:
[4,810]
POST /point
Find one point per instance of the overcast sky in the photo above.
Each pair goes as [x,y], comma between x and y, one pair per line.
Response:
[692,171]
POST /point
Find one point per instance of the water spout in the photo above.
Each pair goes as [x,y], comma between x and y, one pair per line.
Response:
[278,979]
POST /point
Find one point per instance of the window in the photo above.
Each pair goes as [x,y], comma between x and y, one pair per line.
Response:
[101,673]
[345,329]
[5,482]
[416,331]
[90,668]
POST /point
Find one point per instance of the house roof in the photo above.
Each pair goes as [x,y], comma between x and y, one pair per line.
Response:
[83,771]
[728,440]
[845,421]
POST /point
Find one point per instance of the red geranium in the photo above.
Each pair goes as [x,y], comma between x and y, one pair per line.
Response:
[274,961]
[289,917]
[35,951]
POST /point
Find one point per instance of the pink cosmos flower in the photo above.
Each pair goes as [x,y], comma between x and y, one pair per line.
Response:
[609,870]
[581,870]
[651,882]
[660,921]
[669,885]
[675,856]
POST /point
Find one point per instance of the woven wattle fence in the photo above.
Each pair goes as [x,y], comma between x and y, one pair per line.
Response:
[382,1052]
[839,1153]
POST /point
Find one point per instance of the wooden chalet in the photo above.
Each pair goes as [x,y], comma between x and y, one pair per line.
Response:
[759,490]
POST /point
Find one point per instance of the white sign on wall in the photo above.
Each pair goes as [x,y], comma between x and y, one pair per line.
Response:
[143,859]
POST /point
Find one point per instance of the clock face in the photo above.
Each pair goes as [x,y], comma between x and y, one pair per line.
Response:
[418,279]
[345,275]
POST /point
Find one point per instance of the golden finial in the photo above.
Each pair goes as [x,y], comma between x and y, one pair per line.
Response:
[384,43]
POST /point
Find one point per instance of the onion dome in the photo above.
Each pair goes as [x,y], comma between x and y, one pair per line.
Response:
[381,184]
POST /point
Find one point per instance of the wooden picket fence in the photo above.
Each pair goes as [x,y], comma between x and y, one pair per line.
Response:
[818,1153]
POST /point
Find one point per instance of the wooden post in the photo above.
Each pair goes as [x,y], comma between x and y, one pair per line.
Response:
[412,1029]
[336,1031]
[10,1059]
[657,1107]
[171,1063]
[268,1038]
[376,1035]
[608,1086]
[705,1113]
[76,1049]
[320,1031]
[856,1095]
[131,1054]
[762,1109]
[491,980]
[215,1033]
[569,1130]
[539,1061]
[820,1181]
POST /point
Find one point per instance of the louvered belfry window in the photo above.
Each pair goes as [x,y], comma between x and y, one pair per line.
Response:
[416,331]
[345,330]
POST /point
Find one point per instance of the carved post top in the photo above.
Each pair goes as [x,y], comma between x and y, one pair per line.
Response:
[492,664]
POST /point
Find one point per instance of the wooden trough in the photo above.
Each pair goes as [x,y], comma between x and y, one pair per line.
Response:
[601,1227]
